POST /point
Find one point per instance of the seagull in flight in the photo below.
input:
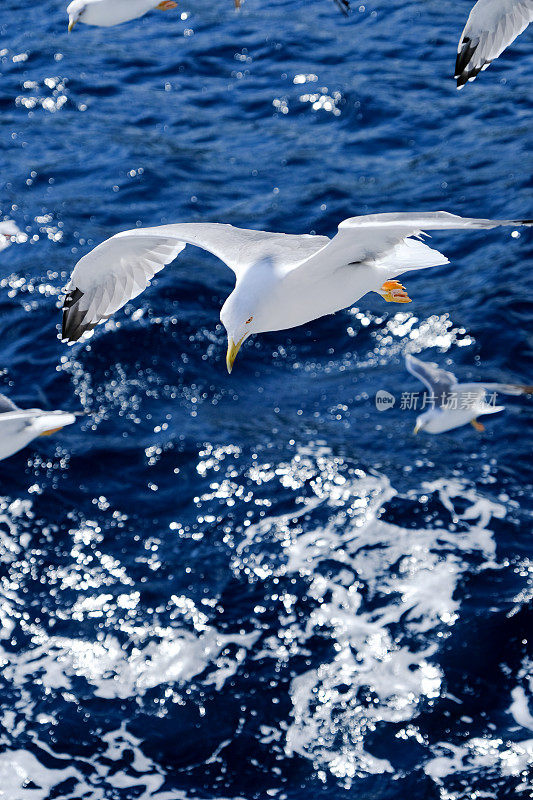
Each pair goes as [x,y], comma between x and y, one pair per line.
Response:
[105,13]
[281,281]
[455,404]
[19,427]
[491,27]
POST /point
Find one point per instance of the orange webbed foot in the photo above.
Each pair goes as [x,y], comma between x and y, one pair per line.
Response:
[394,292]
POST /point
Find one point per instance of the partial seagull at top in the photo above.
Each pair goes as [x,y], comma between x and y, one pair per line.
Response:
[342,5]
[105,13]
[453,404]
[282,280]
[491,27]
[19,427]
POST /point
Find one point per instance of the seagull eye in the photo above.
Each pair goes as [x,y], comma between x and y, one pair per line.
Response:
[249,320]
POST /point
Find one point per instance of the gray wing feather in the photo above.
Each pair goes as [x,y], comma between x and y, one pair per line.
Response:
[438,381]
[7,405]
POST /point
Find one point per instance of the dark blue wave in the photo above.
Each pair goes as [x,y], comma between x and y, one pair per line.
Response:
[258,585]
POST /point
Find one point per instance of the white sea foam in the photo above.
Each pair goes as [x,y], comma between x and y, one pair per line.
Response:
[384,575]
[23,776]
[485,756]
[381,596]
[161,656]
[167,656]
[519,708]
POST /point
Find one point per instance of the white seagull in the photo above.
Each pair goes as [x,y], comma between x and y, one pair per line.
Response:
[453,404]
[19,427]
[491,27]
[105,13]
[281,280]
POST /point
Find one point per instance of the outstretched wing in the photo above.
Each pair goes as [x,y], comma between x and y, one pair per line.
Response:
[385,240]
[120,268]
[438,381]
[491,27]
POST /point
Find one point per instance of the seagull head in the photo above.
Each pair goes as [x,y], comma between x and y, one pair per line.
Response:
[239,326]
[434,420]
[75,12]
[249,307]
[422,422]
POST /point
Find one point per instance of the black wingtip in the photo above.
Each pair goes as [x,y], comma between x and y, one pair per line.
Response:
[73,325]
[464,54]
[463,72]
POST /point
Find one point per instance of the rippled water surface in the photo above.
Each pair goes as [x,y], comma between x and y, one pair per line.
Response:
[259,586]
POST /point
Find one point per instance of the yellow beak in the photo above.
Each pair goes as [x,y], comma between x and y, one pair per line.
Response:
[71,24]
[416,428]
[231,354]
[49,433]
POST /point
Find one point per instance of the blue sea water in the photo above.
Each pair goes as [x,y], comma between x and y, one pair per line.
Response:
[258,585]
